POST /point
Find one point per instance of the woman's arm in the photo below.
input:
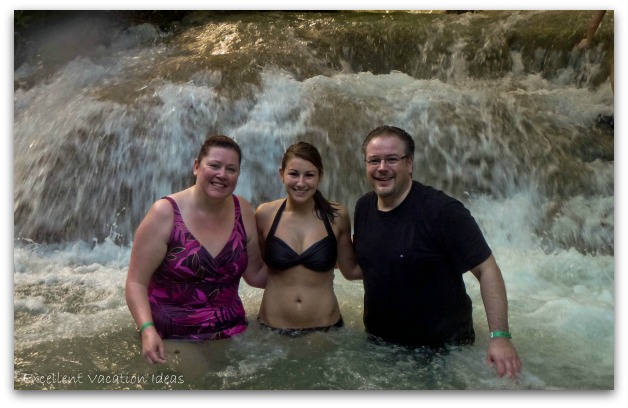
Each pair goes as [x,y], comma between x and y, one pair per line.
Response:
[149,249]
[347,261]
[256,272]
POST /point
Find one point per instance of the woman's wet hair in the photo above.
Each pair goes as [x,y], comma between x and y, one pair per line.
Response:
[307,151]
[219,141]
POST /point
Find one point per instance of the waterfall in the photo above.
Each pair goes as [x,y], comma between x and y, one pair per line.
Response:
[496,101]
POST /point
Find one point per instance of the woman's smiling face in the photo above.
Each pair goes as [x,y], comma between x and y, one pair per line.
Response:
[300,178]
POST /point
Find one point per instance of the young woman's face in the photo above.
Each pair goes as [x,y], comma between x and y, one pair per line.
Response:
[300,178]
[217,173]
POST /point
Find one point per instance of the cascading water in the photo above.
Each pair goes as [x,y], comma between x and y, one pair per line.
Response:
[503,110]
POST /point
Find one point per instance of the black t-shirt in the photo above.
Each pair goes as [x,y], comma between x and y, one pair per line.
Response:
[413,258]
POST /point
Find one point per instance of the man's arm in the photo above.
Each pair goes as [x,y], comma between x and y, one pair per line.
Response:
[501,352]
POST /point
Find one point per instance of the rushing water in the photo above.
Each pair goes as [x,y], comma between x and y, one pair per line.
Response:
[503,110]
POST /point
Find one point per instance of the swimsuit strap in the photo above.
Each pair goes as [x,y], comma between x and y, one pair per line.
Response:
[238,212]
[236,203]
[330,230]
[174,203]
[178,218]
[273,227]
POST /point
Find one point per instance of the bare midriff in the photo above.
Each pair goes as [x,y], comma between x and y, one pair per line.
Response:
[299,298]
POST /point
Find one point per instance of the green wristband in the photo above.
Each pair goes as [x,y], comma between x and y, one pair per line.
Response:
[495,334]
[145,325]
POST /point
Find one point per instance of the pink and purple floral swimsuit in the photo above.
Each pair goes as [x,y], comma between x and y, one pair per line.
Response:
[193,295]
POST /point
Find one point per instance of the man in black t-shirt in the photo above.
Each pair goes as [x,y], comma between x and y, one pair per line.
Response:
[413,244]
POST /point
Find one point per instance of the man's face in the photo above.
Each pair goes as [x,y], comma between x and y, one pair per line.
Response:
[387,168]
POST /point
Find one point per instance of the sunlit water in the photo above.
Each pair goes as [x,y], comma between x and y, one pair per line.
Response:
[99,139]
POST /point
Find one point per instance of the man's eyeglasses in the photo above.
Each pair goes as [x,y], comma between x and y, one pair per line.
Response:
[390,161]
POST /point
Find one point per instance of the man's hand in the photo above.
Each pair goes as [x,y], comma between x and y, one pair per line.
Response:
[503,356]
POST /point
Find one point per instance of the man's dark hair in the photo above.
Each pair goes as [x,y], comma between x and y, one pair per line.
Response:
[391,131]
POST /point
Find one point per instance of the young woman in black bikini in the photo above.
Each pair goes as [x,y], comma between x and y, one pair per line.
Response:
[303,238]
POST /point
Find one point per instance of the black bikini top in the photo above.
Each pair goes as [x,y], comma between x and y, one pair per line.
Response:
[320,257]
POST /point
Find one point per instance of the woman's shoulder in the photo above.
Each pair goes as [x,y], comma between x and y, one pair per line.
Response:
[164,208]
[265,212]
[342,214]
[339,206]
[269,206]
[244,203]
[159,218]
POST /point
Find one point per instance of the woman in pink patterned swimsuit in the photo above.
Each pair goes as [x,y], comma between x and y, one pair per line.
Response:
[189,254]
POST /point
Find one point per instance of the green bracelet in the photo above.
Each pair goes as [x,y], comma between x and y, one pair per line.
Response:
[505,334]
[145,325]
